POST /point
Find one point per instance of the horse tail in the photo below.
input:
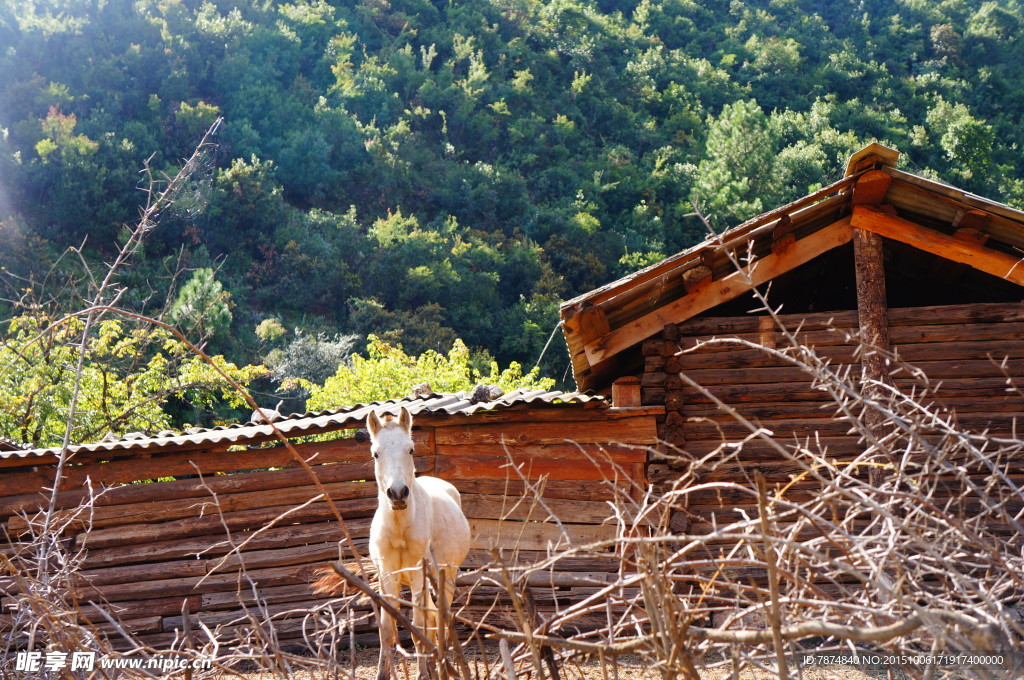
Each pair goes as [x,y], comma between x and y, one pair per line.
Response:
[334,584]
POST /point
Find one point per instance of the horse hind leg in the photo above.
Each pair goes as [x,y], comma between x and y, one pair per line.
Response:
[450,575]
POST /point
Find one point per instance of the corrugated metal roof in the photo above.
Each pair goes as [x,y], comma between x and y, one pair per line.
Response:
[319,422]
[10,445]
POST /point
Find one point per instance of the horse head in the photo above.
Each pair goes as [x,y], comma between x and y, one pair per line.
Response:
[392,449]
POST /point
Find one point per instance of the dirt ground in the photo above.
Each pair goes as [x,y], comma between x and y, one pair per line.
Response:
[629,668]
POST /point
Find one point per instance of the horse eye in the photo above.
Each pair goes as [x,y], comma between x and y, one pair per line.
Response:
[373,453]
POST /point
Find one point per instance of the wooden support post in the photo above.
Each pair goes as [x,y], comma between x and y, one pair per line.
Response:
[626,392]
[872,310]
[872,316]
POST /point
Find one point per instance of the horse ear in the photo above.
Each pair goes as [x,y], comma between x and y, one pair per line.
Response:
[373,423]
[405,419]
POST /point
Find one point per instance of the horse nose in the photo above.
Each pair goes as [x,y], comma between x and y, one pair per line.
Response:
[398,493]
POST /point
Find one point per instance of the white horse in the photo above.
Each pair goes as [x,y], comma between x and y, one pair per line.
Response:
[417,518]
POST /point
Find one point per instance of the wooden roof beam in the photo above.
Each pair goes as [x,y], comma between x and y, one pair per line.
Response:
[872,155]
[955,249]
[737,235]
[783,235]
[871,187]
[971,222]
[588,322]
[722,290]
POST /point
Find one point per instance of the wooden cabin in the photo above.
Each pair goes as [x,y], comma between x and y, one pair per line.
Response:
[928,273]
[155,548]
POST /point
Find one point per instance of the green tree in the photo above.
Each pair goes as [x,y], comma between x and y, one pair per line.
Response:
[541,147]
[128,377]
[193,121]
[735,179]
[203,307]
[966,141]
[246,206]
[59,138]
[309,359]
[387,372]
[417,330]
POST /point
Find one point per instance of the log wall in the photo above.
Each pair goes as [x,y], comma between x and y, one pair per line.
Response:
[968,350]
[152,548]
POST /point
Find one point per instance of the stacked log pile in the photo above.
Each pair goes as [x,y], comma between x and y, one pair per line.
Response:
[972,356]
[205,535]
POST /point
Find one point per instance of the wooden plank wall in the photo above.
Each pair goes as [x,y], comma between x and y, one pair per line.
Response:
[155,546]
[959,346]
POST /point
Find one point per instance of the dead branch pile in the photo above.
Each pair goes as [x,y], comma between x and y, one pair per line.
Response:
[913,550]
[914,547]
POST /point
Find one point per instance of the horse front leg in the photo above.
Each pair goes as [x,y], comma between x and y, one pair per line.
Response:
[425,618]
[388,628]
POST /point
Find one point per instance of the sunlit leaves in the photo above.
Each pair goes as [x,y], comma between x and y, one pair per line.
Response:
[965,140]
[58,131]
[387,372]
[196,119]
[127,376]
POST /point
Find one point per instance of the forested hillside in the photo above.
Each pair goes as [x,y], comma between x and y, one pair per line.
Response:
[431,170]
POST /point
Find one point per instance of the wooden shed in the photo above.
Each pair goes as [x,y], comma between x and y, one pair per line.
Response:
[169,512]
[882,258]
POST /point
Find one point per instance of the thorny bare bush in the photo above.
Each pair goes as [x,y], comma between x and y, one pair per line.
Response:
[915,546]
[42,610]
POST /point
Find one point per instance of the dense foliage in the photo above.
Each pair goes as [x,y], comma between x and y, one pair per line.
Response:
[126,379]
[429,170]
[387,372]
